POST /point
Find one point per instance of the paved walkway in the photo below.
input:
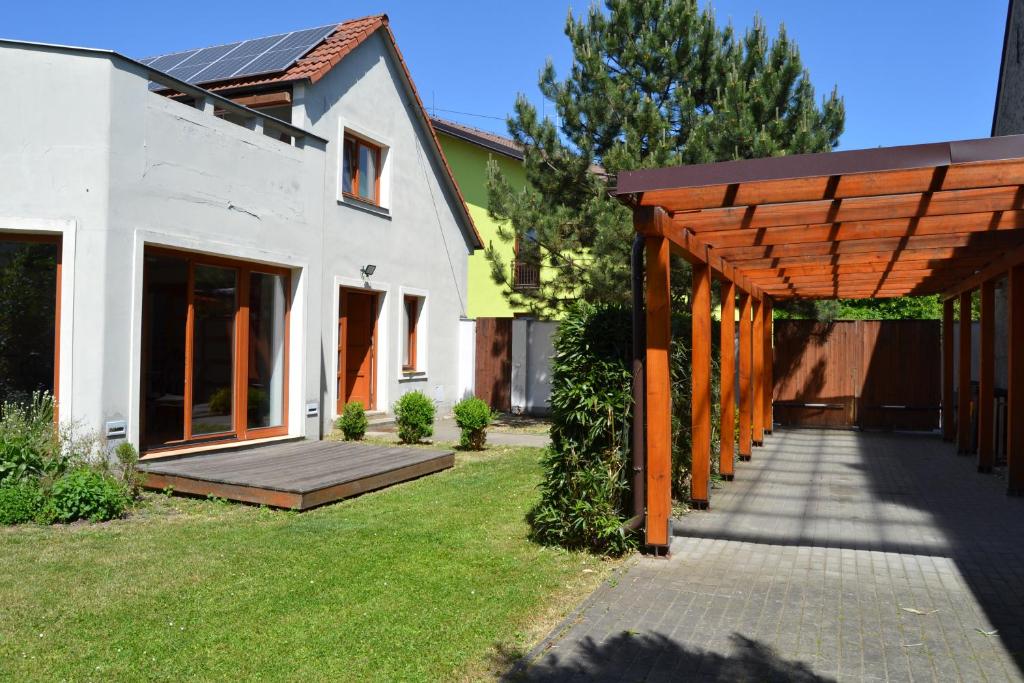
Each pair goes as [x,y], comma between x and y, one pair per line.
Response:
[833,556]
[445,429]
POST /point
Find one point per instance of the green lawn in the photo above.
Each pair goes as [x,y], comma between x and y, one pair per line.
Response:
[432,579]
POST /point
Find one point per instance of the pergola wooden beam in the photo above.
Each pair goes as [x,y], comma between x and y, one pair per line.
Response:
[854,231]
[963,389]
[727,363]
[925,219]
[986,378]
[913,205]
[915,180]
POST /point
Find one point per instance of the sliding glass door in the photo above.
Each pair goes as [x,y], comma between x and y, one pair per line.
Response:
[214,350]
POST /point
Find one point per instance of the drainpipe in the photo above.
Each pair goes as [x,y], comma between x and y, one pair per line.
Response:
[639,386]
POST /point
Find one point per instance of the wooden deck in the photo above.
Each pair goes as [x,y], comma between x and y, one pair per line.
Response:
[296,475]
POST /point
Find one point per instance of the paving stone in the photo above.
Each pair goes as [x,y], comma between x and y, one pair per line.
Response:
[823,560]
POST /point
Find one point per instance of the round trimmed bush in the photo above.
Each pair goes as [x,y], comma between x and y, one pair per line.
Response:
[473,416]
[20,501]
[414,414]
[85,493]
[353,422]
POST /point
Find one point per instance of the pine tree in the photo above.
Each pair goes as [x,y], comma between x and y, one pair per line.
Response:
[653,83]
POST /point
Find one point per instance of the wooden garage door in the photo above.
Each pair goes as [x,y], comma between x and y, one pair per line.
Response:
[494,362]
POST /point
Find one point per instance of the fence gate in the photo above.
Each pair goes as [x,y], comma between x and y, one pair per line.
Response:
[861,373]
[494,362]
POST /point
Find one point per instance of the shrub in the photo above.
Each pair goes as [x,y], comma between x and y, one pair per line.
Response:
[353,422]
[414,413]
[29,445]
[131,478]
[473,416]
[20,501]
[585,488]
[85,493]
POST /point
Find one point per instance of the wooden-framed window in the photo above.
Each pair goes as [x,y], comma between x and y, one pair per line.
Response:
[214,349]
[411,306]
[361,167]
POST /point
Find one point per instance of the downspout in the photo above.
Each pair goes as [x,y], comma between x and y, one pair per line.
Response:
[639,387]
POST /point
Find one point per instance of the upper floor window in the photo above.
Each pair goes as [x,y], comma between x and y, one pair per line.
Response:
[360,176]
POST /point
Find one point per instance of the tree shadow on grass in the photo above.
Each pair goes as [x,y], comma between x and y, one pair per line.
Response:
[655,657]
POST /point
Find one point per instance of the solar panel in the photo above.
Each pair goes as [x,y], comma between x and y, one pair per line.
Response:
[254,57]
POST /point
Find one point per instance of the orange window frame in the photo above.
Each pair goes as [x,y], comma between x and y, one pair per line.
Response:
[240,372]
[352,143]
[412,316]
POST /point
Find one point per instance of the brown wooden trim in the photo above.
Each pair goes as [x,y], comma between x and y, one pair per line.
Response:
[986,378]
[659,392]
[948,425]
[263,100]
[757,341]
[700,369]
[994,270]
[727,363]
[746,387]
[963,391]
[354,139]
[413,317]
[342,398]
[240,381]
[768,360]
[245,494]
[1015,376]
[190,323]
[377,481]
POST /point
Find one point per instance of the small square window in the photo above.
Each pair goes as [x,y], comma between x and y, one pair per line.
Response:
[360,176]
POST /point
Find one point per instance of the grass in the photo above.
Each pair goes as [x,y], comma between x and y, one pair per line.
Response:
[429,580]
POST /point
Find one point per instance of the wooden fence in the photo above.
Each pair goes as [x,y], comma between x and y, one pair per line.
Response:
[865,373]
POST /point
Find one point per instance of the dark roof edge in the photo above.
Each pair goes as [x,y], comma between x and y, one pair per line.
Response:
[821,164]
[443,126]
[1002,64]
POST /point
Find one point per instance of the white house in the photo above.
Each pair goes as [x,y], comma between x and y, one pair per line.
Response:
[226,244]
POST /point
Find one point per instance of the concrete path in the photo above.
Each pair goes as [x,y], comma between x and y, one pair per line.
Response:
[833,556]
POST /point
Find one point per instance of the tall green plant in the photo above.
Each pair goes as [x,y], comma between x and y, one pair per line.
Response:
[29,443]
[585,488]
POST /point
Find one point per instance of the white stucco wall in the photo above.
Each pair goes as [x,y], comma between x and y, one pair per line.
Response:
[87,151]
[416,243]
[90,152]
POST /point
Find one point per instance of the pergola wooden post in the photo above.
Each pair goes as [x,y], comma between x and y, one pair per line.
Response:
[878,223]
[746,386]
[727,363]
[758,343]
[948,426]
[700,384]
[767,359]
[986,378]
[1015,382]
[659,392]
[963,392]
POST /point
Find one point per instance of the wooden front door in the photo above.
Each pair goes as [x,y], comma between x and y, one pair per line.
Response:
[357,348]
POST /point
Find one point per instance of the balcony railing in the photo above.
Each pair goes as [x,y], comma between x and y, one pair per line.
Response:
[525,275]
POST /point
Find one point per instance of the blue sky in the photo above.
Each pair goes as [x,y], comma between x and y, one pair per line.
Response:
[910,70]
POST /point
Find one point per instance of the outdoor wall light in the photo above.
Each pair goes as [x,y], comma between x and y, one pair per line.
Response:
[368,270]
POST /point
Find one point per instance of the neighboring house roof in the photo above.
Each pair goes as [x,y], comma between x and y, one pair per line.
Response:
[482,138]
[1002,66]
[315,64]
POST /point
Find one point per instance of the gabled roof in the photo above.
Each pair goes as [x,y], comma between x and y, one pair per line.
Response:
[315,64]
[1002,66]
[481,138]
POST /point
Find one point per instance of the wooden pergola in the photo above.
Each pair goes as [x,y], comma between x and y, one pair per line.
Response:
[942,218]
